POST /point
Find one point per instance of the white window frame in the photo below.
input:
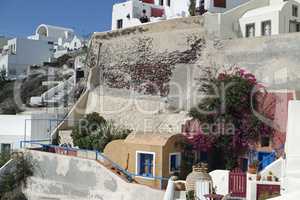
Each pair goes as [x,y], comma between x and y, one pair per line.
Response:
[179,160]
[137,164]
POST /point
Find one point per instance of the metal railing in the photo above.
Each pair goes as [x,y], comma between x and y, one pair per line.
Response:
[270,158]
[91,155]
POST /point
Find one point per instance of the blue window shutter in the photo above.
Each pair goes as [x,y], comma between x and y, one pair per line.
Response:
[173,162]
[142,164]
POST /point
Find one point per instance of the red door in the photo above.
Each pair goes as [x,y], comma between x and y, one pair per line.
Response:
[237,183]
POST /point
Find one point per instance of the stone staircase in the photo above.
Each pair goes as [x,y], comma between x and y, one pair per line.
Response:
[55,95]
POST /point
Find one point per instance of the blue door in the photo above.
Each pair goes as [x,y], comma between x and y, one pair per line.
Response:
[265,159]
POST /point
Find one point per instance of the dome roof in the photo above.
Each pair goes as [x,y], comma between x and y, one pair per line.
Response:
[199,174]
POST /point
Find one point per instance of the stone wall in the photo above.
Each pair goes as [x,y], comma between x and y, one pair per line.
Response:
[144,57]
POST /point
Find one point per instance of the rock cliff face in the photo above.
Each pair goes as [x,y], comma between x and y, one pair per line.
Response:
[148,58]
[143,58]
[164,59]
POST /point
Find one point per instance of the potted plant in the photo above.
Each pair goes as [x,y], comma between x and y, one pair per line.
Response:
[270,176]
[252,169]
[258,177]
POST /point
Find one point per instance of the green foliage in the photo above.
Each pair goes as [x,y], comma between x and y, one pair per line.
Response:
[32,86]
[63,59]
[13,179]
[192,7]
[4,158]
[3,77]
[227,108]
[93,132]
[190,195]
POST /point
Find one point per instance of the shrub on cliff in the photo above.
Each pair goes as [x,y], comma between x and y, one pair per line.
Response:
[93,132]
[13,179]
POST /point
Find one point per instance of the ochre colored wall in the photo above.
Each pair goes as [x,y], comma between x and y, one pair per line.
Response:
[117,152]
[120,152]
[172,146]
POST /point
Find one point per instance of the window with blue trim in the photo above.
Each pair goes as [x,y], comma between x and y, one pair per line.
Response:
[145,164]
[175,161]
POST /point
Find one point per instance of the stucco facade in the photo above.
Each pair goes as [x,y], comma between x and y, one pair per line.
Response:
[274,19]
[128,14]
[20,53]
[27,126]
[161,146]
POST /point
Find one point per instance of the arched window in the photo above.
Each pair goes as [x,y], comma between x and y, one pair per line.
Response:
[42,31]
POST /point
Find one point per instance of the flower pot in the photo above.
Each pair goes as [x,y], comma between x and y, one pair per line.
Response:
[252,170]
[269,178]
[258,177]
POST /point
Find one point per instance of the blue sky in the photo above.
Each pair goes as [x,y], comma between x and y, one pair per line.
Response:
[21,17]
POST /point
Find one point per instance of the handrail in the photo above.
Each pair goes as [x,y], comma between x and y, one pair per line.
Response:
[130,176]
[273,154]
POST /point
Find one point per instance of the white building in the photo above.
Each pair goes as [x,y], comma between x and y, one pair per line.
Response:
[220,6]
[255,18]
[63,38]
[278,17]
[19,53]
[131,12]
[48,42]
[27,126]
[3,42]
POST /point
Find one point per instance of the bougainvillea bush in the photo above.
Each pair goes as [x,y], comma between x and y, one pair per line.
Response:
[226,115]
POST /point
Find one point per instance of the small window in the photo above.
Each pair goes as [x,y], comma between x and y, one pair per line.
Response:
[265,141]
[119,23]
[250,30]
[295,10]
[161,2]
[175,162]
[169,3]
[294,26]
[145,164]
[5,148]
[266,28]
[203,156]
[220,3]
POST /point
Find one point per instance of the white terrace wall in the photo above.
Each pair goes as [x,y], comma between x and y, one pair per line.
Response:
[69,178]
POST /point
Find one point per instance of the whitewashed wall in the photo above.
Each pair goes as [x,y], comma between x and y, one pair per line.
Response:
[209,5]
[280,18]
[28,52]
[221,181]
[257,20]
[120,11]
[12,129]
